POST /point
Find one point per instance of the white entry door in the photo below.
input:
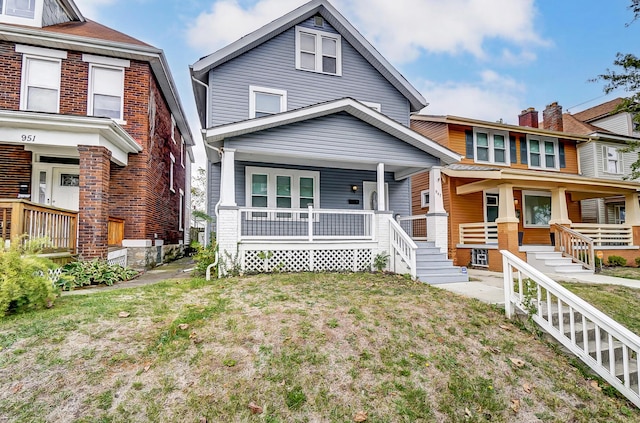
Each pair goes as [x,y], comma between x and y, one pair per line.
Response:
[370,195]
[65,187]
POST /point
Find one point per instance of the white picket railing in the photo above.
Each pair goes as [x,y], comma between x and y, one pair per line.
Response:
[305,224]
[415,226]
[403,246]
[574,245]
[479,233]
[608,348]
[606,235]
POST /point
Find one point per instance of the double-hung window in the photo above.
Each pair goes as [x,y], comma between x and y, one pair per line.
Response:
[266,101]
[18,8]
[612,160]
[281,189]
[543,153]
[41,84]
[318,51]
[41,70]
[106,86]
[491,146]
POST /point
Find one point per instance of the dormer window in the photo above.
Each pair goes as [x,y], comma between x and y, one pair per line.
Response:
[22,12]
[318,51]
[19,8]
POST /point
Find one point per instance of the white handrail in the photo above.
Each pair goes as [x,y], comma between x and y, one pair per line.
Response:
[549,303]
[403,245]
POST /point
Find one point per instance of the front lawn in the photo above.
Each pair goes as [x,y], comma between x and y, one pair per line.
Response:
[288,347]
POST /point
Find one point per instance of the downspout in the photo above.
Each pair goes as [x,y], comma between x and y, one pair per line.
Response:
[215,210]
[207,104]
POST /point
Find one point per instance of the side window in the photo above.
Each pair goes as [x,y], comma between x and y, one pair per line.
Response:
[266,101]
[318,51]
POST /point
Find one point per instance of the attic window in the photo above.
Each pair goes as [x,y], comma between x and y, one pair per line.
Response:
[19,8]
[318,51]
[318,21]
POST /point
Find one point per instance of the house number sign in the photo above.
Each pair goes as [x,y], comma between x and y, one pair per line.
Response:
[28,138]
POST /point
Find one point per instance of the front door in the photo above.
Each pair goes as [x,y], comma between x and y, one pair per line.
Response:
[57,186]
[370,195]
[491,202]
[65,188]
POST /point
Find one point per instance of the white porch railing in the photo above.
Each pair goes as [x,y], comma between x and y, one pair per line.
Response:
[574,245]
[479,233]
[606,235]
[611,350]
[402,246]
[415,226]
[305,224]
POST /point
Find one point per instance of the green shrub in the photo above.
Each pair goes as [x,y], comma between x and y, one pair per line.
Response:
[616,261]
[637,259]
[204,257]
[24,279]
[94,272]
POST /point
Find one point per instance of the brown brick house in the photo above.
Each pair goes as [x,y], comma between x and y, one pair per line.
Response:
[95,150]
[520,188]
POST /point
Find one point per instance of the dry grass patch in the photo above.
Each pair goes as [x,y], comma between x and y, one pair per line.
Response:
[299,347]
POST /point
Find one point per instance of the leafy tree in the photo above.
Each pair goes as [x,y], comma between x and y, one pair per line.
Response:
[627,76]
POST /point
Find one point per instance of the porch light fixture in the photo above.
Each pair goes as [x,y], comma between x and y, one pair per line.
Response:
[515,202]
[354,188]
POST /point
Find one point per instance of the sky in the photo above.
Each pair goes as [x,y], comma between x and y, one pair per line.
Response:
[482,59]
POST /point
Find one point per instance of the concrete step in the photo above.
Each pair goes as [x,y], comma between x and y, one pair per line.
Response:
[428,250]
[442,270]
[435,279]
[440,257]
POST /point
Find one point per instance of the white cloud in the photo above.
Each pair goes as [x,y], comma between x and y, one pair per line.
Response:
[90,8]
[227,21]
[401,30]
[491,98]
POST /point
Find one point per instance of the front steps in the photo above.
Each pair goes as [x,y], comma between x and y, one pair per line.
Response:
[433,267]
[545,259]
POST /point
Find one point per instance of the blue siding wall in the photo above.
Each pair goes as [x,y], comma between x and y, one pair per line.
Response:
[335,187]
[213,187]
[272,65]
[334,137]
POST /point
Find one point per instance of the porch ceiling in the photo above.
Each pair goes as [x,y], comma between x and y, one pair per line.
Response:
[581,188]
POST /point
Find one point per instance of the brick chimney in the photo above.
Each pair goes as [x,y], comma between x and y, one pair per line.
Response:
[552,117]
[528,118]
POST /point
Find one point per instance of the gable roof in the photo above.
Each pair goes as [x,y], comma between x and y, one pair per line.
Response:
[348,105]
[599,111]
[201,68]
[91,29]
[457,120]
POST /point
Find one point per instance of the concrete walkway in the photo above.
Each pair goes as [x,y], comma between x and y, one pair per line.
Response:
[487,286]
[177,269]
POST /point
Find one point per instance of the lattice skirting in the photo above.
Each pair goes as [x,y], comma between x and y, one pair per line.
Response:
[356,260]
[118,257]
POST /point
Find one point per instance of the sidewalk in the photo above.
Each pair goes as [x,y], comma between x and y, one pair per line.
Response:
[177,269]
[487,286]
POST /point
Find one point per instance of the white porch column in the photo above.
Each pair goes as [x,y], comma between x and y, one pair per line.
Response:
[632,209]
[437,217]
[506,206]
[228,178]
[382,201]
[559,213]
[227,238]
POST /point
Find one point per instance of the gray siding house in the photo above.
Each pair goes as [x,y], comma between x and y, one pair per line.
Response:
[604,156]
[309,149]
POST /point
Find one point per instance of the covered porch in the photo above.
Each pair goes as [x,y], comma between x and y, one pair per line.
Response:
[325,203]
[519,209]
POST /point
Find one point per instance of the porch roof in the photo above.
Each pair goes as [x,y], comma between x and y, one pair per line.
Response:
[214,136]
[580,187]
[46,129]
